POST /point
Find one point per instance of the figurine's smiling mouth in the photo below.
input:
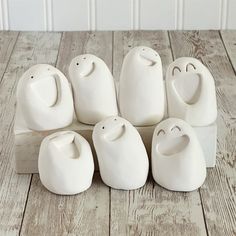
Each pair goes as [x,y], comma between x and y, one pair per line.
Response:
[173,145]
[147,60]
[115,133]
[188,86]
[89,71]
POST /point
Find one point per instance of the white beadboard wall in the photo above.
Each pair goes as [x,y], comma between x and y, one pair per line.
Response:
[75,15]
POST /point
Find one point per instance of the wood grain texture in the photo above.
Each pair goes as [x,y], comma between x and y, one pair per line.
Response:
[7,43]
[152,210]
[86,213]
[218,193]
[30,48]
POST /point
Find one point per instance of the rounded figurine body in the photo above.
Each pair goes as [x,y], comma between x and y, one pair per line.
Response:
[122,157]
[44,98]
[178,161]
[191,92]
[65,163]
[93,89]
[141,89]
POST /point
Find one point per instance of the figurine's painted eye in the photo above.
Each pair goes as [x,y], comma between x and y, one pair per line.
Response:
[103,127]
[176,128]
[160,132]
[175,70]
[115,119]
[77,63]
[190,66]
[32,77]
[84,58]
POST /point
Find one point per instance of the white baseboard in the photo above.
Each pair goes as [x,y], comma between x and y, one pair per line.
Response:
[79,15]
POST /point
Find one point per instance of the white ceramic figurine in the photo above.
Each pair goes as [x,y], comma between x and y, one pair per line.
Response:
[44,98]
[178,161]
[93,89]
[191,92]
[65,163]
[122,157]
[141,88]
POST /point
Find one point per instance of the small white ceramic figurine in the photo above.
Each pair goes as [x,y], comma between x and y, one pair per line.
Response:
[141,88]
[191,92]
[122,157]
[65,163]
[93,89]
[44,98]
[178,161]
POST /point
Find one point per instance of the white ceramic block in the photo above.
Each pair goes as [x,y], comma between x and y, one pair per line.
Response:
[141,88]
[44,99]
[191,92]
[122,157]
[65,163]
[178,161]
[207,136]
[93,89]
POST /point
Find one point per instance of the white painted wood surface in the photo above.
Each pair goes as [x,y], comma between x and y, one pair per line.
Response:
[116,14]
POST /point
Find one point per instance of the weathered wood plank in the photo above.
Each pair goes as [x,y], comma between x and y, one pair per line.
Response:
[218,193]
[83,214]
[86,213]
[152,210]
[7,43]
[229,40]
[30,48]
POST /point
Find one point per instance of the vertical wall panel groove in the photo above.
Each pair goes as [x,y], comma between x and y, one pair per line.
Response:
[224,14]
[92,14]
[5,16]
[180,14]
[135,14]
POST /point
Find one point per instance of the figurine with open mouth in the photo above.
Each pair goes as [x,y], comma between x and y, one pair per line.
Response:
[178,161]
[93,89]
[141,89]
[65,163]
[44,98]
[191,92]
[122,157]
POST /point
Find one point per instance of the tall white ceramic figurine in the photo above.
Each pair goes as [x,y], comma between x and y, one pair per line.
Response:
[178,162]
[191,92]
[141,89]
[44,98]
[122,157]
[65,163]
[93,89]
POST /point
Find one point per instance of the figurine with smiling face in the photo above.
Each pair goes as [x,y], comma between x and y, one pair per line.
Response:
[178,162]
[93,89]
[141,89]
[44,98]
[191,92]
[122,157]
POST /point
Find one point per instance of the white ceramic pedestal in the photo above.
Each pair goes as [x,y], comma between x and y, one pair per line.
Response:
[27,143]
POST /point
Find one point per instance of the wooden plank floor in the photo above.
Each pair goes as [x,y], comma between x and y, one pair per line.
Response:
[26,208]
